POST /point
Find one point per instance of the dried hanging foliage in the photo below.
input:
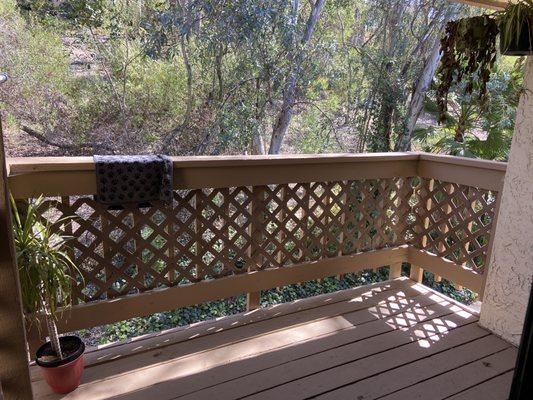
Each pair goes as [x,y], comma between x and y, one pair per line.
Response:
[468,54]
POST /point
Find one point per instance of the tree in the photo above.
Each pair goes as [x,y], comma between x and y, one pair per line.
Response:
[189,77]
[296,54]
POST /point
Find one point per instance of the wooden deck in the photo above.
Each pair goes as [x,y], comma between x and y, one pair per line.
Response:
[393,340]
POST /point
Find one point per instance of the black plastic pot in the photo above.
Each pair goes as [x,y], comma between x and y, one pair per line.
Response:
[64,375]
[521,47]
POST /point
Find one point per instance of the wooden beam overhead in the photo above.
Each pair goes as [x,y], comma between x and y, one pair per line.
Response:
[490,4]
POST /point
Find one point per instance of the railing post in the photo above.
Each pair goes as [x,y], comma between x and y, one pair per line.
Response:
[491,243]
[253,299]
[417,273]
[449,189]
[14,372]
[404,193]
[395,271]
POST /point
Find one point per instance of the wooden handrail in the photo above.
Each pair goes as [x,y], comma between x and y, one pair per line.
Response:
[67,176]
[467,171]
[40,164]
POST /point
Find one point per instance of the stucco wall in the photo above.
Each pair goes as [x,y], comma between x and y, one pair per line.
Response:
[511,263]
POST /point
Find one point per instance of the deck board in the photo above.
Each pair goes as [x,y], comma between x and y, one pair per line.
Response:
[493,389]
[386,340]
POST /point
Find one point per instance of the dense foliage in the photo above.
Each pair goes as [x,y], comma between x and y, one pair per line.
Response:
[218,77]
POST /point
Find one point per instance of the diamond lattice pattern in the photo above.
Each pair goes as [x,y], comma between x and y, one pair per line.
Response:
[210,233]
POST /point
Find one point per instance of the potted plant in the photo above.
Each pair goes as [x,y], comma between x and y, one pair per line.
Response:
[46,277]
[516,29]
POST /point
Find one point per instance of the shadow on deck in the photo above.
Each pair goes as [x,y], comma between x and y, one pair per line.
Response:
[392,340]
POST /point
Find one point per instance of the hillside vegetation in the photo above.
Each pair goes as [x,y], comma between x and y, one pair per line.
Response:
[190,77]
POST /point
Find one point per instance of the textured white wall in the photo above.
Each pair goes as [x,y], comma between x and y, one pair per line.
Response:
[511,264]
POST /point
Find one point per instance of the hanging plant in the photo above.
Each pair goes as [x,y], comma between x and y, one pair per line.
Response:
[516,29]
[469,49]
[468,54]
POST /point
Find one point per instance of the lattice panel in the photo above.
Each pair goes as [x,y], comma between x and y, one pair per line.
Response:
[211,233]
[454,221]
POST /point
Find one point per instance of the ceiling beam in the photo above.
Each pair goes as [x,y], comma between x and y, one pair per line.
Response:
[492,4]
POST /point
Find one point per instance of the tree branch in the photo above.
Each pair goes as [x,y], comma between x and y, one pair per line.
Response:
[65,146]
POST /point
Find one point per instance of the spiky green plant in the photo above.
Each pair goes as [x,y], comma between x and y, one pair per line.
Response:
[513,19]
[46,271]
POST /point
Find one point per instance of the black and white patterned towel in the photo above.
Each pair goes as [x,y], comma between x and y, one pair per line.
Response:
[133,179]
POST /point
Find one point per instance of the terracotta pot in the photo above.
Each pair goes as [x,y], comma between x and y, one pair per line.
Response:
[64,375]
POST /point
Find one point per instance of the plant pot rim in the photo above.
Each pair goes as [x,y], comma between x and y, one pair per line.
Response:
[59,363]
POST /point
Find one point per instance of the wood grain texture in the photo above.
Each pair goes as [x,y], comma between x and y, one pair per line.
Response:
[14,375]
[375,342]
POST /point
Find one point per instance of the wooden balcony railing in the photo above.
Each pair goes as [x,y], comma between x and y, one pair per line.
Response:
[245,224]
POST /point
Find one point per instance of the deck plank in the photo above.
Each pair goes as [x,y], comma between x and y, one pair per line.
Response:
[252,323]
[340,342]
[436,316]
[330,346]
[455,381]
[324,381]
[418,371]
[497,388]
[131,373]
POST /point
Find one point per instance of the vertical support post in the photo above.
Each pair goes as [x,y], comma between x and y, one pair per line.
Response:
[282,215]
[417,273]
[403,195]
[395,270]
[69,230]
[14,371]
[326,222]
[198,204]
[307,216]
[174,275]
[253,299]
[342,219]
[449,192]
[466,245]
[491,241]
[380,204]
[108,252]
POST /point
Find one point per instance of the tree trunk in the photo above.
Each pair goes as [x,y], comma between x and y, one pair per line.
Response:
[461,128]
[190,98]
[218,68]
[417,100]
[187,63]
[289,91]
[258,144]
[52,333]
